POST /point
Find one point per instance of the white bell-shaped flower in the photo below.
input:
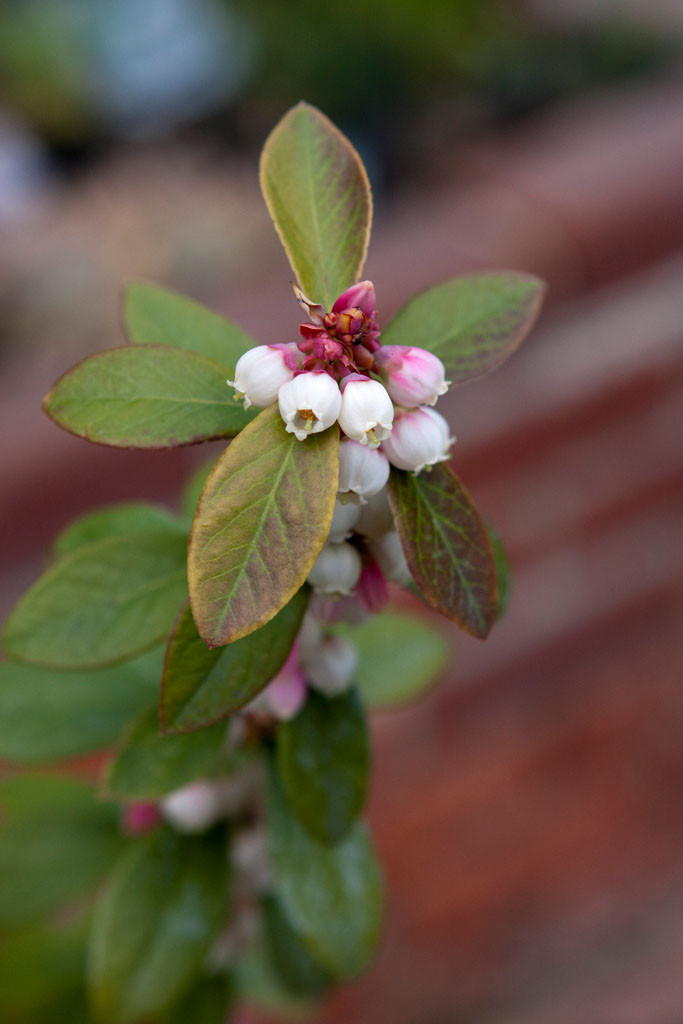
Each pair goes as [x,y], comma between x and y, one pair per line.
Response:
[309,403]
[336,569]
[193,808]
[367,412]
[362,470]
[343,521]
[334,666]
[388,554]
[420,438]
[261,372]
[375,517]
[412,376]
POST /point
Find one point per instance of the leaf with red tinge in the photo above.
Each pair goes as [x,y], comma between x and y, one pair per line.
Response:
[317,192]
[147,396]
[471,323]
[261,522]
[446,545]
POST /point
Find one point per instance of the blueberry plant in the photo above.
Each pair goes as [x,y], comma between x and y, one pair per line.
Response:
[221,858]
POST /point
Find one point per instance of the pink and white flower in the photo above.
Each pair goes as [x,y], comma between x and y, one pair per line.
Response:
[412,376]
[420,438]
[343,520]
[261,372]
[367,412]
[333,667]
[309,403]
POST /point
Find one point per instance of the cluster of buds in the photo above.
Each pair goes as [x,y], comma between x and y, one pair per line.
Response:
[340,373]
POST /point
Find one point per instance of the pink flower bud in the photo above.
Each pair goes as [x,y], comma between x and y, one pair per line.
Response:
[139,818]
[333,667]
[360,296]
[412,376]
[309,403]
[420,438]
[345,515]
[336,569]
[362,471]
[366,410]
[371,589]
[284,694]
[261,372]
[390,558]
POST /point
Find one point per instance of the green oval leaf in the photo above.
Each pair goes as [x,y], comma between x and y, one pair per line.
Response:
[103,603]
[149,765]
[154,924]
[41,974]
[146,397]
[323,759]
[262,519]
[399,656]
[158,316]
[128,517]
[56,844]
[446,546]
[296,970]
[332,895]
[201,685]
[471,323]
[207,1002]
[318,194]
[47,714]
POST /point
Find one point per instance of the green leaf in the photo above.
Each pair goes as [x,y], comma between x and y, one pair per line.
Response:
[103,603]
[157,316]
[154,924]
[46,714]
[258,985]
[323,759]
[399,657]
[146,397]
[194,487]
[201,685]
[318,194]
[128,517]
[502,570]
[206,1003]
[471,323]
[40,967]
[295,968]
[56,843]
[149,765]
[446,546]
[332,895]
[263,517]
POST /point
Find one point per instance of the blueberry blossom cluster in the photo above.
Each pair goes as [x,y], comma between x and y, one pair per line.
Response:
[382,399]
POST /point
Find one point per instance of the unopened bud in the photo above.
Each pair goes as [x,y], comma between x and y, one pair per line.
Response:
[309,403]
[361,296]
[367,412]
[363,471]
[333,667]
[345,515]
[420,438]
[336,569]
[412,376]
[375,517]
[390,558]
[192,808]
[261,372]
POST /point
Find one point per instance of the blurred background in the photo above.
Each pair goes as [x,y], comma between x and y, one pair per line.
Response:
[528,810]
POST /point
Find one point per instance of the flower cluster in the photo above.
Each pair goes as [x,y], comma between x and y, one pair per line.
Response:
[340,373]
